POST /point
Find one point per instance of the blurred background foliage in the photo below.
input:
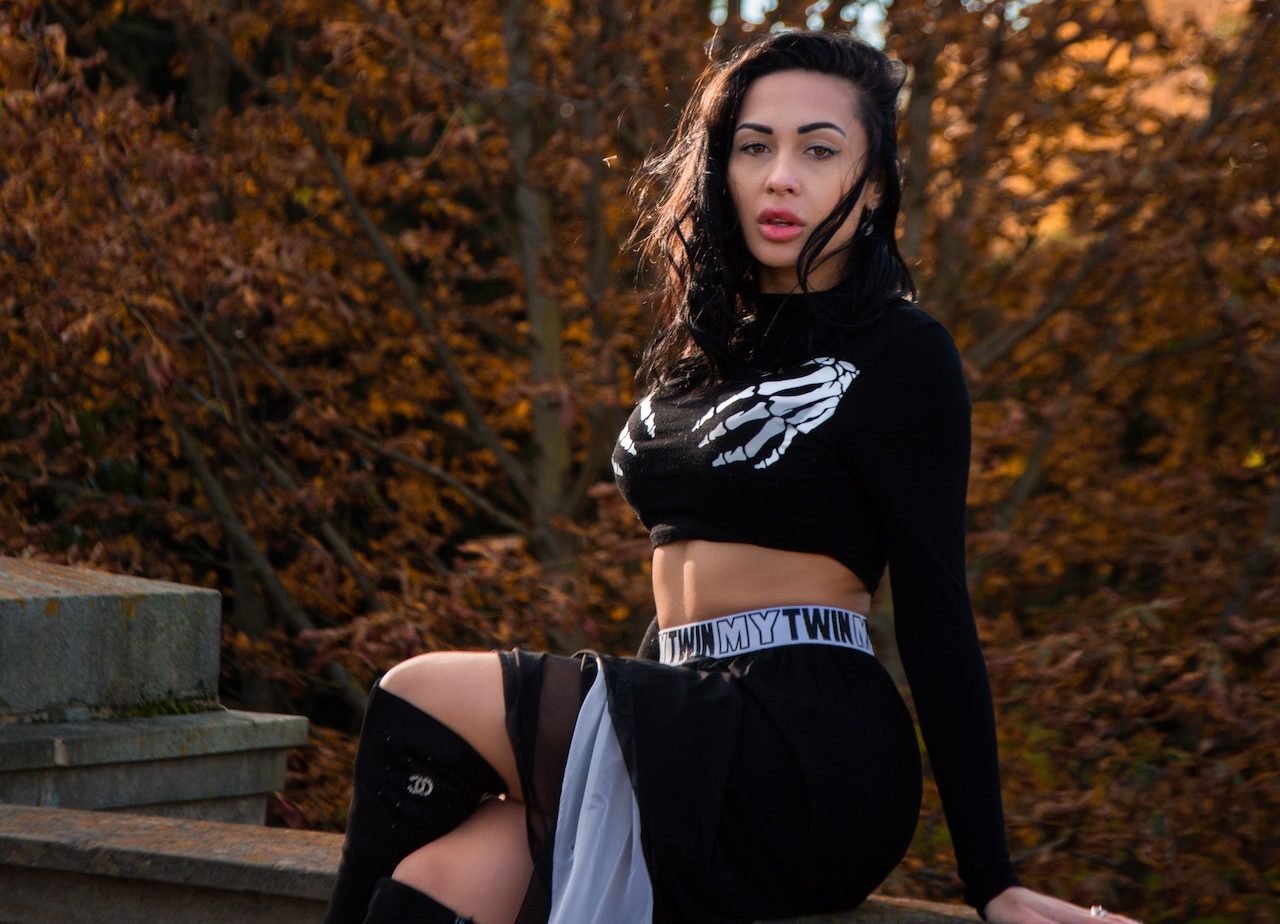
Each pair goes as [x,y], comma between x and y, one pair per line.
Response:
[322,303]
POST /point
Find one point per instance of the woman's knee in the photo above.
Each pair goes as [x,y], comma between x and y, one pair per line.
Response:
[481,869]
[463,691]
[439,672]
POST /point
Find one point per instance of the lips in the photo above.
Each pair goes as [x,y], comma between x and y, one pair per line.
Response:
[779,225]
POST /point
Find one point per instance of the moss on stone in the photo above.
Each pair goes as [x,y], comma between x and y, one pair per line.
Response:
[167,706]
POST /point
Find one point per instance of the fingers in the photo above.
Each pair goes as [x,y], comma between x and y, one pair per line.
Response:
[1074,914]
[1089,916]
[1020,905]
[1067,913]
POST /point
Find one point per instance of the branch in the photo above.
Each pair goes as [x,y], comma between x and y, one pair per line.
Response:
[1256,565]
[496,514]
[985,354]
[215,353]
[113,497]
[1179,347]
[917,121]
[409,295]
[108,63]
[281,600]
[995,347]
[954,245]
[398,31]
[167,275]
[336,541]
[1029,480]
[503,519]
[276,592]
[603,423]
[1264,16]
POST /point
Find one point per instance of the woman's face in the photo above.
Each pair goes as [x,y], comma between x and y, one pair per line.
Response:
[797,149]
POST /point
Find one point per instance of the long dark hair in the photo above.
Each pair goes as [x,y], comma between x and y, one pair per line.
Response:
[689,228]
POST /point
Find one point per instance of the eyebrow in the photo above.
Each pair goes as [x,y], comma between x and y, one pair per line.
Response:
[802,130]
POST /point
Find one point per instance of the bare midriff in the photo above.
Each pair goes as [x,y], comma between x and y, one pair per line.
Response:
[696,580]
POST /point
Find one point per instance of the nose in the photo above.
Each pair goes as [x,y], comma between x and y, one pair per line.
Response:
[782,176]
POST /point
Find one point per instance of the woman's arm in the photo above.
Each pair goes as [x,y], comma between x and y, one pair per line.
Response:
[912,457]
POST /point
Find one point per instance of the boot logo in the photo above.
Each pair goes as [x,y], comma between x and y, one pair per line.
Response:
[420,785]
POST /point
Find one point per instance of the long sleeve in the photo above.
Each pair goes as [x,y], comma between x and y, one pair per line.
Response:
[912,457]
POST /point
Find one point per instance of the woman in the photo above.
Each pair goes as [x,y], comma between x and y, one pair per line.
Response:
[803,423]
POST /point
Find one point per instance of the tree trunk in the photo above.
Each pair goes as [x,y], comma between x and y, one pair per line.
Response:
[915,204]
[207,70]
[248,614]
[955,242]
[548,390]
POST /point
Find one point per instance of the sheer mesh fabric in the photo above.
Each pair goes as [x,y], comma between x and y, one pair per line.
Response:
[543,696]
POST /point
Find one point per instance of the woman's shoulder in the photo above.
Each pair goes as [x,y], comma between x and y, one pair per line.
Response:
[905,316]
[907,362]
[902,331]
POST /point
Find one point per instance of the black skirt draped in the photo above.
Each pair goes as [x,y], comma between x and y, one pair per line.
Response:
[774,784]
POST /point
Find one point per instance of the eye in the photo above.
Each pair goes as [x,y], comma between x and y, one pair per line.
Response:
[753,147]
[822,151]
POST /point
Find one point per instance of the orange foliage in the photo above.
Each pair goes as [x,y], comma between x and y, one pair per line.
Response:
[265,326]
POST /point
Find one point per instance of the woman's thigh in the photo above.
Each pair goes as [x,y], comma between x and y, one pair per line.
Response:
[464,690]
[480,869]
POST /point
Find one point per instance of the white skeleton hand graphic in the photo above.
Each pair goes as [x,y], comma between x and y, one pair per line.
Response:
[625,442]
[783,408]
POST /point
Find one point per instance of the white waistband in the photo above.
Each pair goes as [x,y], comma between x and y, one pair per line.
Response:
[757,630]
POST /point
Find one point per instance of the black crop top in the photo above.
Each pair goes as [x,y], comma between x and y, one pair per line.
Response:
[860,453]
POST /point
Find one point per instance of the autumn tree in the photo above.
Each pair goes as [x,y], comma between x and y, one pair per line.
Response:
[364,271]
[323,304]
[1094,219]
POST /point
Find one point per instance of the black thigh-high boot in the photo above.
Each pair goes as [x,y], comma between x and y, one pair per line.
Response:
[415,780]
[396,903]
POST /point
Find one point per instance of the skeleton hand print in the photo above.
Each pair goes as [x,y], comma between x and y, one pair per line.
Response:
[781,407]
[625,442]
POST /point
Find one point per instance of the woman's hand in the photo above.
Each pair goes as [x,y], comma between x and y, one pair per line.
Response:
[1016,905]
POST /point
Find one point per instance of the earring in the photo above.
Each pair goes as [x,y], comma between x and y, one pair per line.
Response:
[868,222]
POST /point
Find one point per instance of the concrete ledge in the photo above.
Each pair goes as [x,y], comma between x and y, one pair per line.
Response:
[74,867]
[162,737]
[218,764]
[46,897]
[210,854]
[61,866]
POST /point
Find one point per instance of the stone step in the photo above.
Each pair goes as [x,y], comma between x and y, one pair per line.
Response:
[78,643]
[219,764]
[75,867]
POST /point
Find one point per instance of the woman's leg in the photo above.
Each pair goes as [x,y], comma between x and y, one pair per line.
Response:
[478,872]
[433,746]
[463,689]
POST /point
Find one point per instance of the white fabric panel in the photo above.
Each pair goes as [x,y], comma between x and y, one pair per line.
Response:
[598,871]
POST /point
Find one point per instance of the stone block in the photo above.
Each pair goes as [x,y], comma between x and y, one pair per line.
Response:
[218,764]
[75,643]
